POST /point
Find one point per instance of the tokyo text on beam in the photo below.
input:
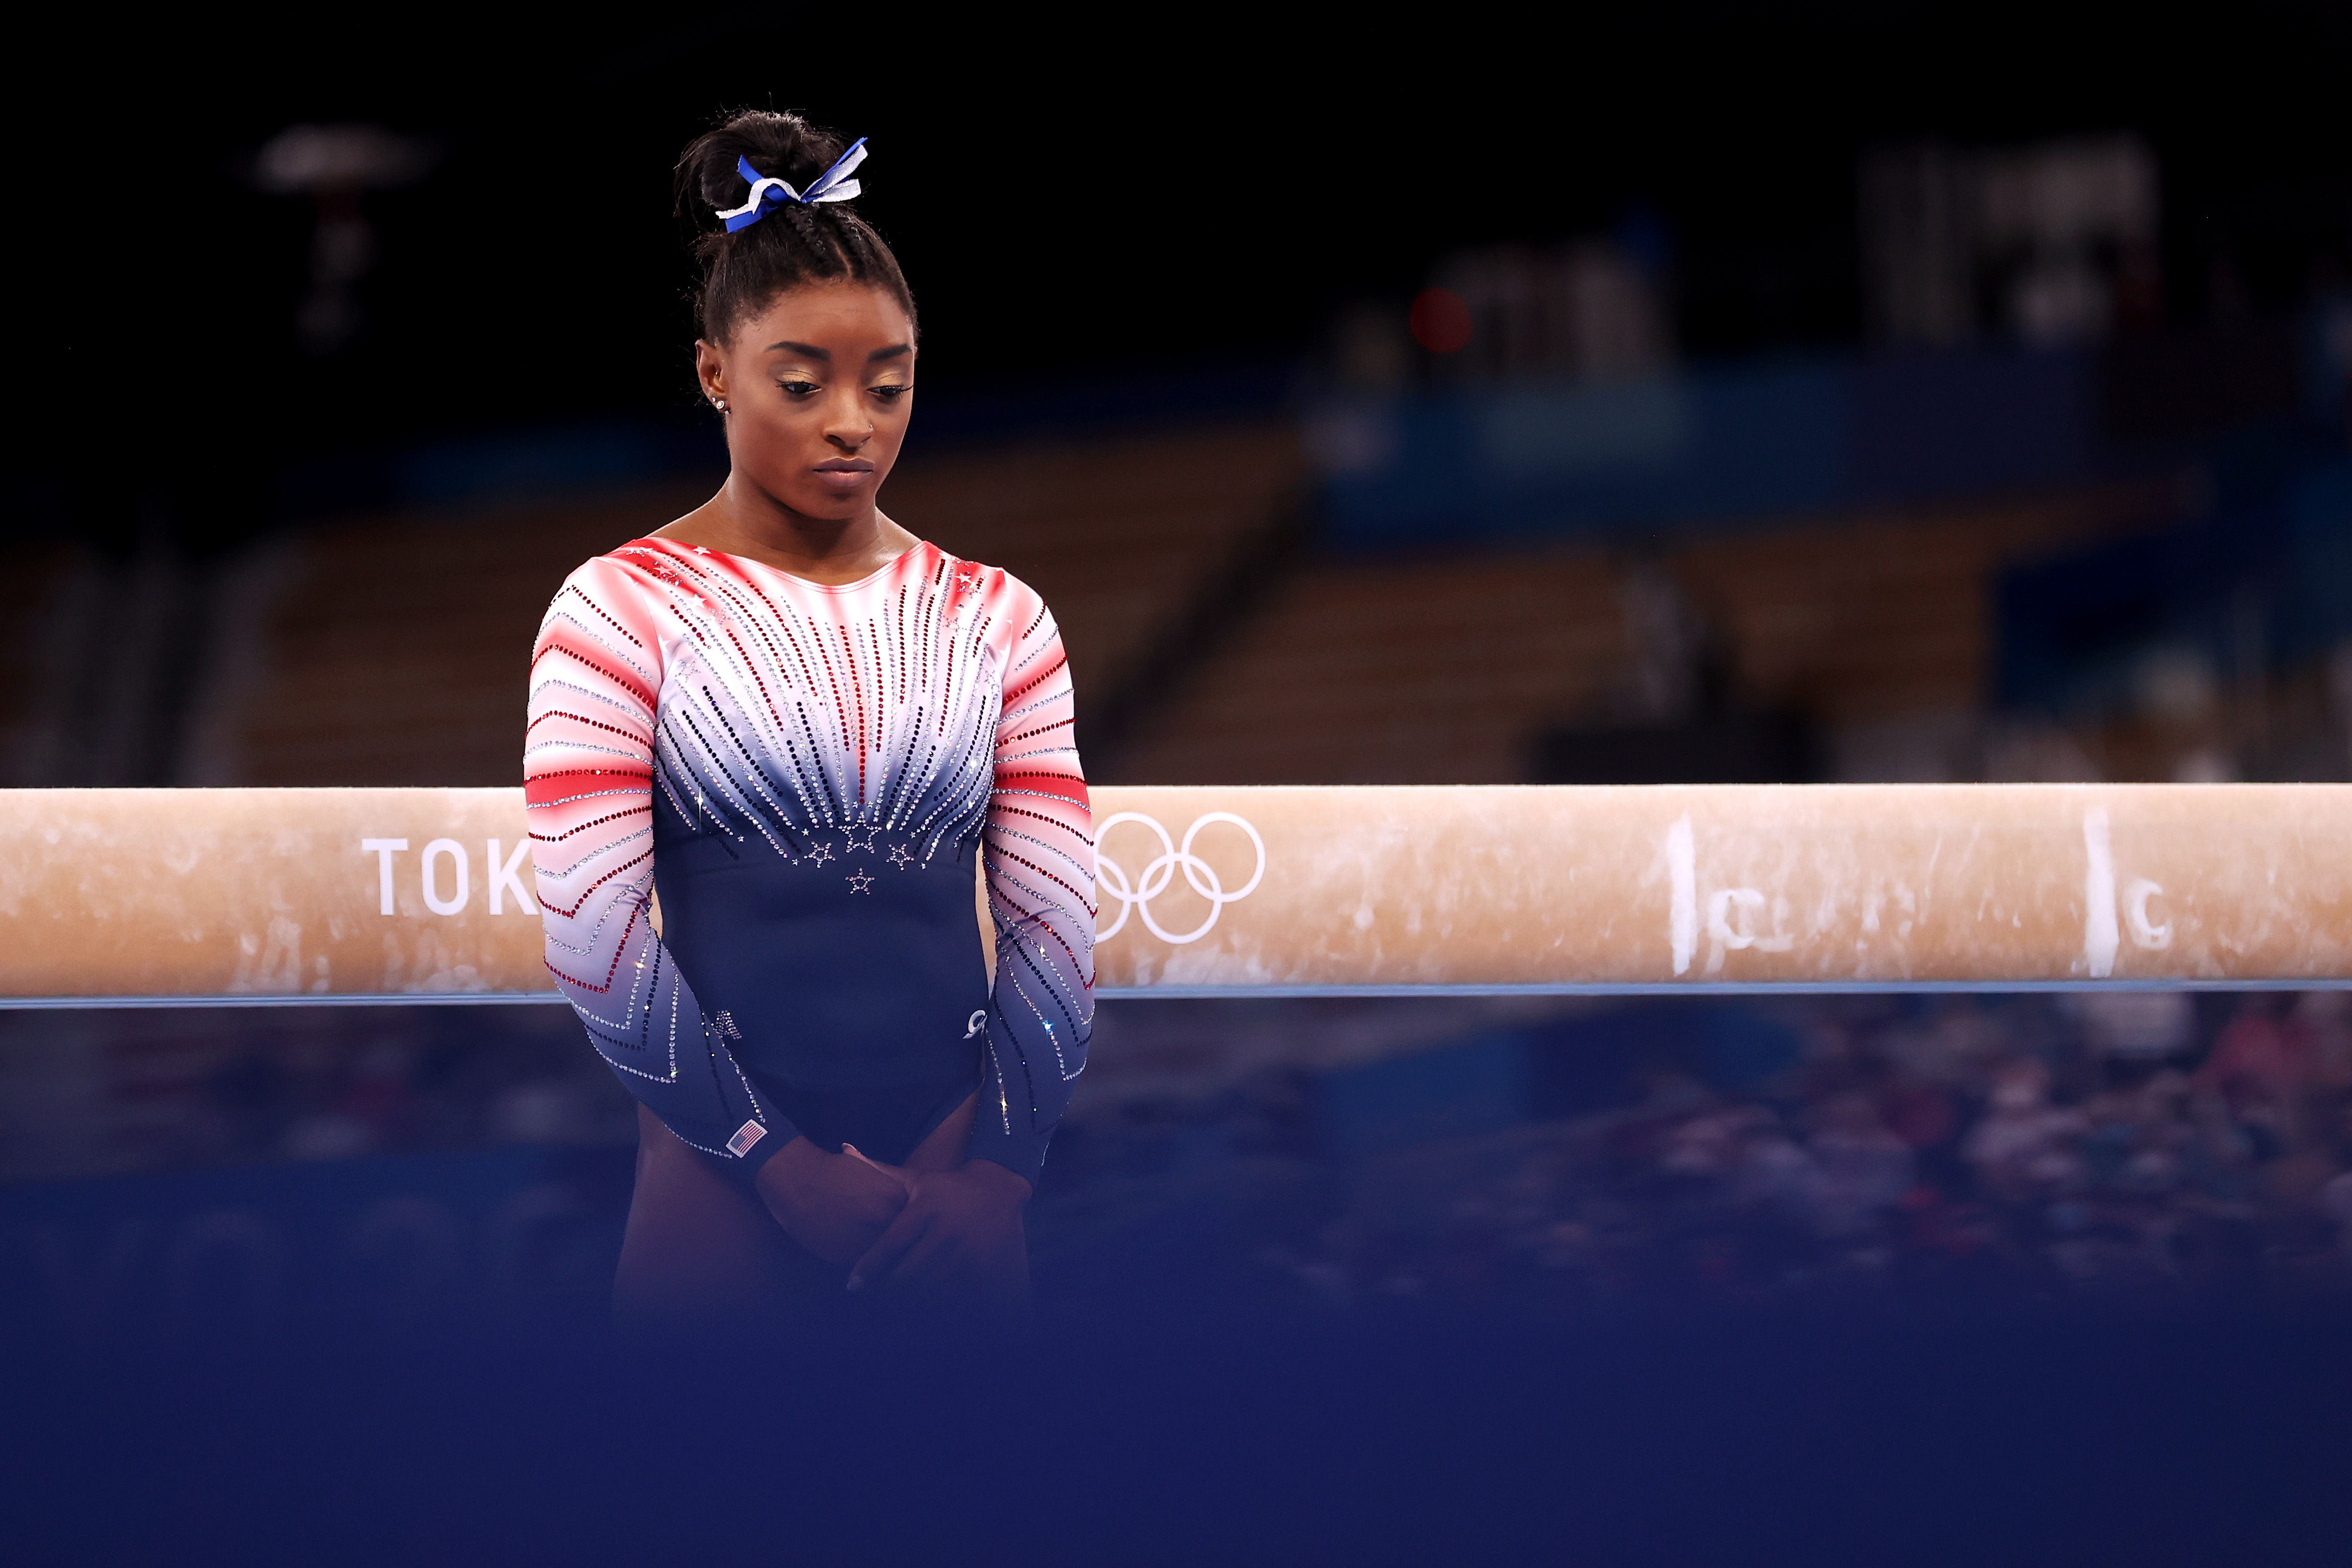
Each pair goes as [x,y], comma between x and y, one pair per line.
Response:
[422,894]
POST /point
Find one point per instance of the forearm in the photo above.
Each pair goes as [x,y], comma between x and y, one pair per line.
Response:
[787,1183]
[999,1180]
[650,1031]
[834,1204]
[1038,851]
[1040,1018]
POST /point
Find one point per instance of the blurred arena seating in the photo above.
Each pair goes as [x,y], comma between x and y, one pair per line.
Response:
[1909,603]
[393,649]
[1395,672]
[37,579]
[1216,639]
[389,650]
[1338,1152]
[1445,669]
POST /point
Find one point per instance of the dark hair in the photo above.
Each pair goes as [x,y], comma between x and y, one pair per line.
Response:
[792,243]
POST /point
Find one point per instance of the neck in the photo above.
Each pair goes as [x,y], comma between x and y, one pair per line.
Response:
[767,530]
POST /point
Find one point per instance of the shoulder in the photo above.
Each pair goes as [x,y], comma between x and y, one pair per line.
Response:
[618,593]
[644,565]
[640,575]
[1015,611]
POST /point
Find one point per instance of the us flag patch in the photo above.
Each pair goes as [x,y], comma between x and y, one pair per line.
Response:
[750,1132]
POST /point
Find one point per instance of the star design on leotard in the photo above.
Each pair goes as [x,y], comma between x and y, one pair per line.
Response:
[819,854]
[899,858]
[967,581]
[849,838]
[859,882]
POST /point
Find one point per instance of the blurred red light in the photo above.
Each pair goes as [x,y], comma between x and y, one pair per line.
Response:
[1441,321]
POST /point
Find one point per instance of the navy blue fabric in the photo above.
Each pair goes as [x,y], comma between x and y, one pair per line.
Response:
[854,1017]
[803,775]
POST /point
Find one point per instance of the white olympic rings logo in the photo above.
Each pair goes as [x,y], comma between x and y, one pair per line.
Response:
[1136,898]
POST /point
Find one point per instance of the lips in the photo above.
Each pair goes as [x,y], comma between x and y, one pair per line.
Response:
[844,473]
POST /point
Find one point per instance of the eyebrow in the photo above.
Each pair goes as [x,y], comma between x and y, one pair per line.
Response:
[813,351]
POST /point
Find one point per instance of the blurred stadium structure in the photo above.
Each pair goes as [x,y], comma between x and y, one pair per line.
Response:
[1821,391]
[168,1168]
[2030,532]
[2032,524]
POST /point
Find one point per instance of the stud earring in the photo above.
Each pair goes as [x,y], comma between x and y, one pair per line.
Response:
[719,403]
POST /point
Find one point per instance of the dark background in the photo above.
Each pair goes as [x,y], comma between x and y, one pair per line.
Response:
[1391,1313]
[1072,194]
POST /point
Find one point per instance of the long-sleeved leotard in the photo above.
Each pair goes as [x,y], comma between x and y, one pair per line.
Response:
[803,774]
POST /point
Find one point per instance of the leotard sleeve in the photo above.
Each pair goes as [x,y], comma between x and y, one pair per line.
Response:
[1037,850]
[589,778]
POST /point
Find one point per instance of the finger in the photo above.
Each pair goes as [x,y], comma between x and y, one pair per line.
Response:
[906,1181]
[940,1249]
[884,1255]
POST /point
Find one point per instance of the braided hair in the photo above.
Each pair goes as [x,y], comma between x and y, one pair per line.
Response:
[743,273]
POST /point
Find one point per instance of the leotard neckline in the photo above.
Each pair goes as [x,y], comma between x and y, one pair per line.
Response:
[793,577]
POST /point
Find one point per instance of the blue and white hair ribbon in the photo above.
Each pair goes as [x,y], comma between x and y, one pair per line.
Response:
[834,185]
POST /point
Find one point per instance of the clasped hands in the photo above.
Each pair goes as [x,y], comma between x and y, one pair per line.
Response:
[890,1223]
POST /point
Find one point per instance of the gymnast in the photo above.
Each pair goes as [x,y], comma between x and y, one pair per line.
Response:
[767,742]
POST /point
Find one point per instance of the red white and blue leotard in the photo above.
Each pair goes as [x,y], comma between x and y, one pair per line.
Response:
[805,773]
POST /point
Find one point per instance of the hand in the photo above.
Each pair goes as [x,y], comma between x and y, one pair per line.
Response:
[837,1205]
[961,1225]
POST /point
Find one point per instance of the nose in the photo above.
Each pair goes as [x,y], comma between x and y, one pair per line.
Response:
[848,423]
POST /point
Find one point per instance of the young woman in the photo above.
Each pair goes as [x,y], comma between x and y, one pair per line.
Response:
[798,723]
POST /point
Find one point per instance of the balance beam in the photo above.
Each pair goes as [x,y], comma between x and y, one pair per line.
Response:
[175,897]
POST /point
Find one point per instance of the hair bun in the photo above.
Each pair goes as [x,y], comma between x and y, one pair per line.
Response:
[799,244]
[781,145]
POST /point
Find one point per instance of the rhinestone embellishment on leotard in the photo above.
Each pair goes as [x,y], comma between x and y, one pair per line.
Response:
[932,708]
